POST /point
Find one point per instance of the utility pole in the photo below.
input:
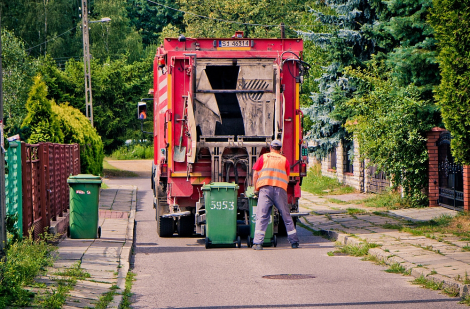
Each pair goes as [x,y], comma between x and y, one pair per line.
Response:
[283,33]
[3,232]
[86,63]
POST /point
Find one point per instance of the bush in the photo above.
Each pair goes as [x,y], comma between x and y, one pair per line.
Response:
[77,129]
[24,261]
[133,152]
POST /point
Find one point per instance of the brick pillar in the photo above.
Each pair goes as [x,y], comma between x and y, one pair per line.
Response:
[466,187]
[433,173]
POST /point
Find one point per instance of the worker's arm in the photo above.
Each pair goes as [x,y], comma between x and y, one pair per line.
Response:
[255,177]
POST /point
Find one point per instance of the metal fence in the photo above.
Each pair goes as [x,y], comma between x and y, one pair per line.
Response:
[45,169]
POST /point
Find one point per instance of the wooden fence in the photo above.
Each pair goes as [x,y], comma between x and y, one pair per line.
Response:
[45,169]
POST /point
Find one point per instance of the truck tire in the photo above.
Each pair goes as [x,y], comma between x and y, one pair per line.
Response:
[165,227]
[185,226]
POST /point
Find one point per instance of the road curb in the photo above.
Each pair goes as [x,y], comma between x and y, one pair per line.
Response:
[124,257]
[390,259]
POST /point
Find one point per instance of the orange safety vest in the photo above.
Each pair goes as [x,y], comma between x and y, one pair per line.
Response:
[273,172]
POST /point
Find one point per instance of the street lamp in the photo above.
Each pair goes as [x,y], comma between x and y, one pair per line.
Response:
[86,59]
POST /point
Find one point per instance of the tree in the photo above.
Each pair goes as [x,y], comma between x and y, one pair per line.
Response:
[450,19]
[116,38]
[390,123]
[150,19]
[346,45]
[41,121]
[37,22]
[18,72]
[258,19]
[405,41]
[117,87]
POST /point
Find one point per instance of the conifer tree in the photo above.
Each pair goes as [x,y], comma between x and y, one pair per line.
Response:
[450,19]
[347,45]
[41,121]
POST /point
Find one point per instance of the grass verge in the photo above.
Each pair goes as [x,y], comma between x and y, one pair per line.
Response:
[388,200]
[126,297]
[430,284]
[318,184]
[355,250]
[133,152]
[111,171]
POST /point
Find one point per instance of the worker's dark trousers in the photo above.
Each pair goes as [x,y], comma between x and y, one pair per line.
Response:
[269,196]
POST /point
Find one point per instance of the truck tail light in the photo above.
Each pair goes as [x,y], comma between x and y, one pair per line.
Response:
[303,169]
[164,169]
[161,62]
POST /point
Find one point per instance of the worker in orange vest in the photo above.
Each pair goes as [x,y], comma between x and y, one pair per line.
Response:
[271,176]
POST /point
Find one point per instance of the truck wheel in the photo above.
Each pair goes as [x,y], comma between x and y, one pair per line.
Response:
[165,227]
[185,226]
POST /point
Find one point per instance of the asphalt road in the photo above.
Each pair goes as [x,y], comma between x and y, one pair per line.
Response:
[180,273]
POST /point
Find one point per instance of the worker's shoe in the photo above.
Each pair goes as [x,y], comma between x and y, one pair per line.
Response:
[295,245]
[257,247]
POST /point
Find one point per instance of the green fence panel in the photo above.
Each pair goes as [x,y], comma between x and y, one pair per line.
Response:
[13,184]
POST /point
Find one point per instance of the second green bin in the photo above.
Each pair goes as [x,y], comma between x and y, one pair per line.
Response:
[269,238]
[220,200]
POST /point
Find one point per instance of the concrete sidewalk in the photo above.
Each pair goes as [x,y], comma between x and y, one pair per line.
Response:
[443,258]
[106,259]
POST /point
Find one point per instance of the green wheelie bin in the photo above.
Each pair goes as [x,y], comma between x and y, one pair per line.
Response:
[220,200]
[270,239]
[84,202]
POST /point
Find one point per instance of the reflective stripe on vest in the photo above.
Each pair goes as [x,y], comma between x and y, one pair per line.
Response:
[273,172]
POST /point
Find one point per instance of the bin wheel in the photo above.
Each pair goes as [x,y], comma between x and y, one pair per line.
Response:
[275,241]
[239,242]
[207,242]
[68,232]
[99,231]
[248,242]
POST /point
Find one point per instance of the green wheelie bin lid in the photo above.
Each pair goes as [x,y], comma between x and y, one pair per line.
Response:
[219,185]
[84,178]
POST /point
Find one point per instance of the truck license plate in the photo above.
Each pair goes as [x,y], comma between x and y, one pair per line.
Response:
[237,43]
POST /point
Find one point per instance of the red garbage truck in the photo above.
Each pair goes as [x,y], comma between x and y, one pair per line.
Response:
[217,105]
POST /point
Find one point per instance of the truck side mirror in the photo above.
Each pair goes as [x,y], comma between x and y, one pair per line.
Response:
[142,110]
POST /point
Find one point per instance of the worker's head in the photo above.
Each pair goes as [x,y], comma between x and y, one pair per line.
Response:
[276,145]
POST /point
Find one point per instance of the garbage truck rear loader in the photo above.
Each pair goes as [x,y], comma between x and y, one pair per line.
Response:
[218,103]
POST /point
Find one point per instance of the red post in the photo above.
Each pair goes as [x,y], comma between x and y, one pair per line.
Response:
[466,187]
[433,172]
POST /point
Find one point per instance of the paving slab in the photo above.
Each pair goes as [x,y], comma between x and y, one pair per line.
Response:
[101,258]
[444,254]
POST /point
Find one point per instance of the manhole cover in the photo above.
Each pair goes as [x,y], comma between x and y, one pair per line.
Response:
[289,277]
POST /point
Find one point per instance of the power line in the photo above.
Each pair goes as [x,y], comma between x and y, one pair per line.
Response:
[52,38]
